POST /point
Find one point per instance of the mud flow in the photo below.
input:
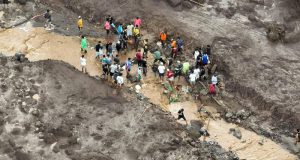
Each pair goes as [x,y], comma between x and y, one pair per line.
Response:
[51,110]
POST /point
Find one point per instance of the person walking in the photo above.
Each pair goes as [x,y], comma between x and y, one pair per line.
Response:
[181,115]
[80,24]
[180,44]
[120,30]
[297,137]
[136,34]
[83,44]
[161,71]
[120,80]
[178,70]
[83,64]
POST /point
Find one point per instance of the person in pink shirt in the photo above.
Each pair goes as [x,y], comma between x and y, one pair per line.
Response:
[107,27]
[137,22]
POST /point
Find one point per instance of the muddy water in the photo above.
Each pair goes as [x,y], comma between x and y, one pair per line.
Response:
[39,44]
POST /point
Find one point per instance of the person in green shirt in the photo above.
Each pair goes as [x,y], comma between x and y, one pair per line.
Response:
[157,57]
[185,67]
[83,44]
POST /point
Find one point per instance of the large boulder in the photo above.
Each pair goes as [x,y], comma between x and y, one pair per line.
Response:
[275,32]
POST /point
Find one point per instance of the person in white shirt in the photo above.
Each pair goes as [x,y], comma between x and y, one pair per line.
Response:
[83,64]
[161,71]
[113,69]
[192,79]
[196,54]
[197,72]
[129,30]
[214,79]
[120,80]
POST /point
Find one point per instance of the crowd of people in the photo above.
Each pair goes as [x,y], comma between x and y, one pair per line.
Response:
[122,37]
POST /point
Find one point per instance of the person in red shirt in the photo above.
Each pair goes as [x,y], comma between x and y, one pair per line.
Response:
[170,76]
[174,52]
[212,89]
[139,57]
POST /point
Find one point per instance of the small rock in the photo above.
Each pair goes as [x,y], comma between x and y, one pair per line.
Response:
[36,97]
[235,132]
[54,147]
[261,142]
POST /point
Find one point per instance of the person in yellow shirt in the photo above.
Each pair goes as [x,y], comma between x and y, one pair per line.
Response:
[80,23]
[136,34]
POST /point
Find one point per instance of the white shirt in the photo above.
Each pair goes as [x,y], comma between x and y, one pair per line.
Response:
[161,69]
[82,61]
[197,72]
[196,54]
[120,79]
[129,30]
[214,80]
[113,68]
[193,77]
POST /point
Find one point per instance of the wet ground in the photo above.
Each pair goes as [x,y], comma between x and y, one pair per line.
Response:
[38,44]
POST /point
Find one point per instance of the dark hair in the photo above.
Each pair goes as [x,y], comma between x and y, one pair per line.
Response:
[129,58]
[298,130]
[99,41]
[48,10]
[82,56]
[117,55]
[137,17]
[82,36]
[136,26]
[120,74]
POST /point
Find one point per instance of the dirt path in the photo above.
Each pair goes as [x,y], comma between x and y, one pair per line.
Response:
[39,44]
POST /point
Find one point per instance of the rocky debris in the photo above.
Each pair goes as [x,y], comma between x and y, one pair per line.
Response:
[54,147]
[235,132]
[174,3]
[275,32]
[187,4]
[262,141]
[231,116]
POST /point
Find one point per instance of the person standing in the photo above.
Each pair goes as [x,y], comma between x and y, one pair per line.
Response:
[178,69]
[83,64]
[110,19]
[163,38]
[137,22]
[130,30]
[157,57]
[161,71]
[214,79]
[120,30]
[128,65]
[205,59]
[139,57]
[192,78]
[136,34]
[180,44]
[170,76]
[120,80]
[99,50]
[83,44]
[47,16]
[118,47]
[80,24]
[297,137]
[144,66]
[107,27]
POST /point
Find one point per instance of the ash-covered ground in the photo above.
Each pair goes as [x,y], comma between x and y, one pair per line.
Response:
[49,110]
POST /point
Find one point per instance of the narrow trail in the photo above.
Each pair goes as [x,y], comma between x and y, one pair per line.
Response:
[40,45]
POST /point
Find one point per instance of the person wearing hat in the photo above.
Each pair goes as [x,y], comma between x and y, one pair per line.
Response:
[80,23]
[161,71]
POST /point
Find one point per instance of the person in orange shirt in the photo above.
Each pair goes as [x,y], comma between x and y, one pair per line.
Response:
[163,38]
[173,43]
